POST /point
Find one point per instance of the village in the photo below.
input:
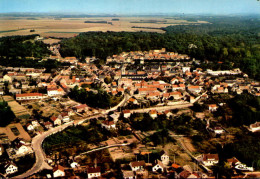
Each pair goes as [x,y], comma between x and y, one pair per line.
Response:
[143,86]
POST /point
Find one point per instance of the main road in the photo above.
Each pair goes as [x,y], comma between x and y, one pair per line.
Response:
[37,141]
[40,156]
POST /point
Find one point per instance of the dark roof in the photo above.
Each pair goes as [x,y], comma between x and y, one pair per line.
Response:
[137,163]
[93,170]
[210,156]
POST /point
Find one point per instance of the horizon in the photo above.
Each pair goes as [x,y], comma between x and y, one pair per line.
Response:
[133,7]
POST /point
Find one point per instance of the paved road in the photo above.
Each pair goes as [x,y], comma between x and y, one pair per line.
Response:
[41,163]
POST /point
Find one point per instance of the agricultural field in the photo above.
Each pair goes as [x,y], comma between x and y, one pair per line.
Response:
[69,27]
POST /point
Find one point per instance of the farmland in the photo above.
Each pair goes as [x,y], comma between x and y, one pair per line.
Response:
[69,27]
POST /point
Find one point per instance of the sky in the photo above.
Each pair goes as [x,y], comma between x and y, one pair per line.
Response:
[132,6]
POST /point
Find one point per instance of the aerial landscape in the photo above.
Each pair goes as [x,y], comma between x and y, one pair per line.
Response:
[130,89]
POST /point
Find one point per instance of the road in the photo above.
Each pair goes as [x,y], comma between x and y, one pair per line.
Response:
[40,156]
[37,141]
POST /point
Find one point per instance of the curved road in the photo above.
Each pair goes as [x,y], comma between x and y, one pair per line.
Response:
[40,162]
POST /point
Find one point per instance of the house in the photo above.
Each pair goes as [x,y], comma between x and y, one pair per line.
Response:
[64,116]
[54,91]
[94,172]
[20,146]
[195,89]
[137,165]
[168,113]
[74,165]
[21,149]
[1,149]
[58,171]
[56,121]
[165,159]
[218,130]
[233,161]
[29,96]
[213,107]
[126,113]
[255,127]
[153,113]
[127,174]
[10,168]
[209,159]
[115,117]
[1,91]
[29,127]
[108,124]
[35,124]
[48,125]
[158,167]
[80,108]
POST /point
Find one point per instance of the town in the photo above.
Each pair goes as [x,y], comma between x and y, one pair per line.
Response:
[141,114]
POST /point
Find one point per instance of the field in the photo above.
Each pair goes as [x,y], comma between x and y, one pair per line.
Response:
[69,27]
[12,131]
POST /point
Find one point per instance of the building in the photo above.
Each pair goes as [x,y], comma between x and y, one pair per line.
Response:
[255,127]
[213,107]
[80,108]
[209,159]
[165,159]
[108,124]
[126,113]
[10,168]
[153,113]
[158,167]
[94,172]
[56,121]
[137,165]
[58,171]
[29,96]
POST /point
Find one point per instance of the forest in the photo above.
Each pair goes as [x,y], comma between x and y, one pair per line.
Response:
[233,40]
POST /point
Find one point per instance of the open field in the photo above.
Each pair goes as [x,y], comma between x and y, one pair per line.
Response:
[12,131]
[69,27]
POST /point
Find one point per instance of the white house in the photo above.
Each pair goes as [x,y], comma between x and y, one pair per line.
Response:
[10,168]
[209,159]
[74,165]
[94,172]
[165,159]
[29,127]
[35,124]
[137,165]
[1,149]
[218,130]
[213,107]
[58,171]
[64,116]
[108,124]
[56,121]
[22,149]
[158,167]
[255,127]
[126,113]
[153,113]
